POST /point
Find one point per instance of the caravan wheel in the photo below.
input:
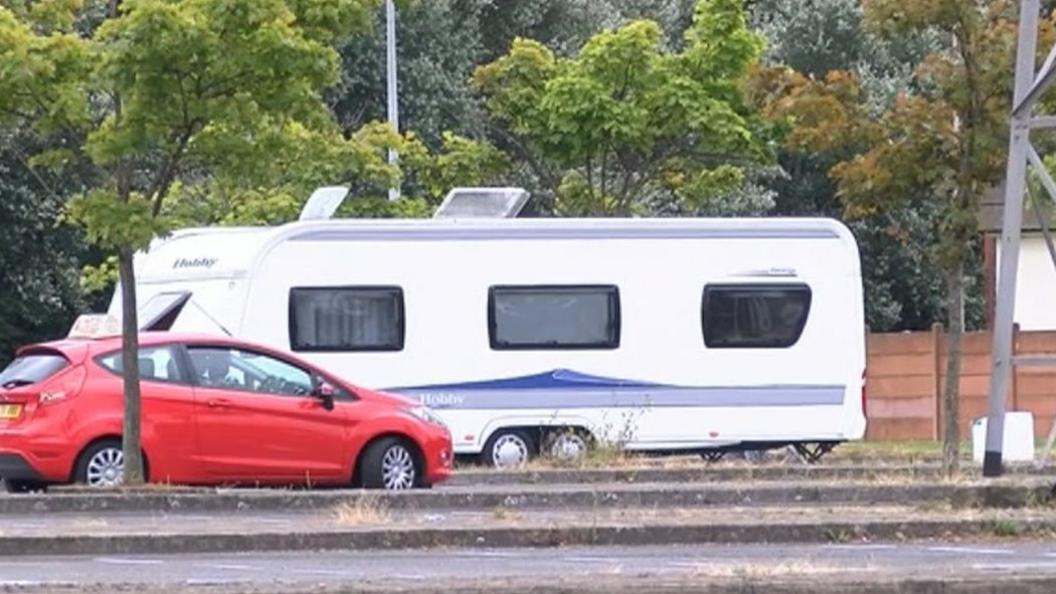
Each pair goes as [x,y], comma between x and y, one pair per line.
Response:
[568,445]
[509,448]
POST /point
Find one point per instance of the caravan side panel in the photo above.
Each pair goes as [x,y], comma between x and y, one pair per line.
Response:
[665,388]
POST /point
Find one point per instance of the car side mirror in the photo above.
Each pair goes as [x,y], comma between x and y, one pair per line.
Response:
[324,392]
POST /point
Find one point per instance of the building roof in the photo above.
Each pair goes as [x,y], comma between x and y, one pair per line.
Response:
[991,213]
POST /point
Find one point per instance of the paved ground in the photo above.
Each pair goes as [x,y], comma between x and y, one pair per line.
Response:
[355,519]
[418,568]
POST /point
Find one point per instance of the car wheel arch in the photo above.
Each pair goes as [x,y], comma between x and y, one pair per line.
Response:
[99,439]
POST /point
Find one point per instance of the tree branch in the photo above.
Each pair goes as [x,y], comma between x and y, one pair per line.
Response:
[167,174]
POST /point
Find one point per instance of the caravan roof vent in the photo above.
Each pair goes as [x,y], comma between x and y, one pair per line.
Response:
[323,203]
[487,203]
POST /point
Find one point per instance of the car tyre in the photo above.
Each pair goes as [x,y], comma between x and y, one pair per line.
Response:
[101,465]
[509,448]
[392,464]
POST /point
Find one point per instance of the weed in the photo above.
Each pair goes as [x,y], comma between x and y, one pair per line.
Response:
[837,536]
[365,509]
[938,505]
[501,512]
[1008,528]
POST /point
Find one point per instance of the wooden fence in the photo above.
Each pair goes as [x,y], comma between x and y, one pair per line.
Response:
[906,374]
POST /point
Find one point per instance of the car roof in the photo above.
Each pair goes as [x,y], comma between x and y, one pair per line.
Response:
[77,348]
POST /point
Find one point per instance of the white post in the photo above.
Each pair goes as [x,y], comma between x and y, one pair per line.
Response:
[390,72]
[1015,184]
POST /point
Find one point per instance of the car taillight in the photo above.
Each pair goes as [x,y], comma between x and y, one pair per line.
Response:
[864,409]
[62,387]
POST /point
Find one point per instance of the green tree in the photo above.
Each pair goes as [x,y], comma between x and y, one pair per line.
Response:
[938,145]
[565,26]
[441,42]
[165,91]
[627,127]
[359,162]
[438,44]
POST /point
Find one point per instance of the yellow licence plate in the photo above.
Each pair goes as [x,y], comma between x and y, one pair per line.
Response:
[10,411]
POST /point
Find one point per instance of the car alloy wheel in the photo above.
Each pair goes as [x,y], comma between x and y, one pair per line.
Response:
[397,468]
[106,468]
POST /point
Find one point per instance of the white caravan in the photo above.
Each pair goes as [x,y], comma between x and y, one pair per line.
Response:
[702,335]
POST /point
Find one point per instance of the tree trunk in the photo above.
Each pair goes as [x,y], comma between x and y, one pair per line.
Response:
[951,439]
[130,364]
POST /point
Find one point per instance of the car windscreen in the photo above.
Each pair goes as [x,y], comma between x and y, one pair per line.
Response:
[31,369]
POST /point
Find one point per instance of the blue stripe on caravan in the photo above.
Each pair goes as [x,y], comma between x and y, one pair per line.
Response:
[568,389]
[520,233]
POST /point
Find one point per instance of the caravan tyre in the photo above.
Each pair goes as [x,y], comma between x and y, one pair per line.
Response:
[568,445]
[509,448]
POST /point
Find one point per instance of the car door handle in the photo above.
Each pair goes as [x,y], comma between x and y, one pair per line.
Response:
[218,403]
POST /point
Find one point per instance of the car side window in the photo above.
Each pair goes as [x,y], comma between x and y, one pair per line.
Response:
[155,364]
[238,369]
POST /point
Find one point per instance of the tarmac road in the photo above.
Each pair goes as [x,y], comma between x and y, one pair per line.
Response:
[416,569]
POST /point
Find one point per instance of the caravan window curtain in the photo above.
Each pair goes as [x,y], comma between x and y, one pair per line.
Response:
[554,317]
[754,316]
[341,319]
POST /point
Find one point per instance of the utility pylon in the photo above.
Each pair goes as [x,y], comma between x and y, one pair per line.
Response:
[1030,86]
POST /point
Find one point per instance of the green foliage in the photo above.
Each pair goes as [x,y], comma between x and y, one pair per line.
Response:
[38,260]
[438,43]
[215,92]
[99,278]
[565,25]
[299,166]
[113,224]
[45,77]
[627,127]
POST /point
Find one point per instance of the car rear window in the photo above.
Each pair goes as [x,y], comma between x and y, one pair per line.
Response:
[31,369]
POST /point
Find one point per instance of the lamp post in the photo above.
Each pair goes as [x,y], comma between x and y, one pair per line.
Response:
[390,72]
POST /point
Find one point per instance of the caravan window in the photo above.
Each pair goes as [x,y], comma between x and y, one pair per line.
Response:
[346,319]
[554,317]
[754,316]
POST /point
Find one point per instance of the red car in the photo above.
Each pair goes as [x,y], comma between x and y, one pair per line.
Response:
[214,411]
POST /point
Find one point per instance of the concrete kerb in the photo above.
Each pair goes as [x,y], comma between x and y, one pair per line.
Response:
[512,537]
[647,474]
[981,583]
[1010,495]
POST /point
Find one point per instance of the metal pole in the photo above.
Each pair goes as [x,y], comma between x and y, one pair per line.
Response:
[1018,144]
[1050,186]
[390,73]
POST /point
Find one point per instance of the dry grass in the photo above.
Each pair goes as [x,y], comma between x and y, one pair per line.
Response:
[363,510]
[503,513]
[876,454]
[908,450]
[90,524]
[759,570]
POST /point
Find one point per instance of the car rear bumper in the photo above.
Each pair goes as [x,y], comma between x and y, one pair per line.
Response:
[16,467]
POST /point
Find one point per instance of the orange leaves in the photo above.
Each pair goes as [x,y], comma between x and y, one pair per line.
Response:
[823,115]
